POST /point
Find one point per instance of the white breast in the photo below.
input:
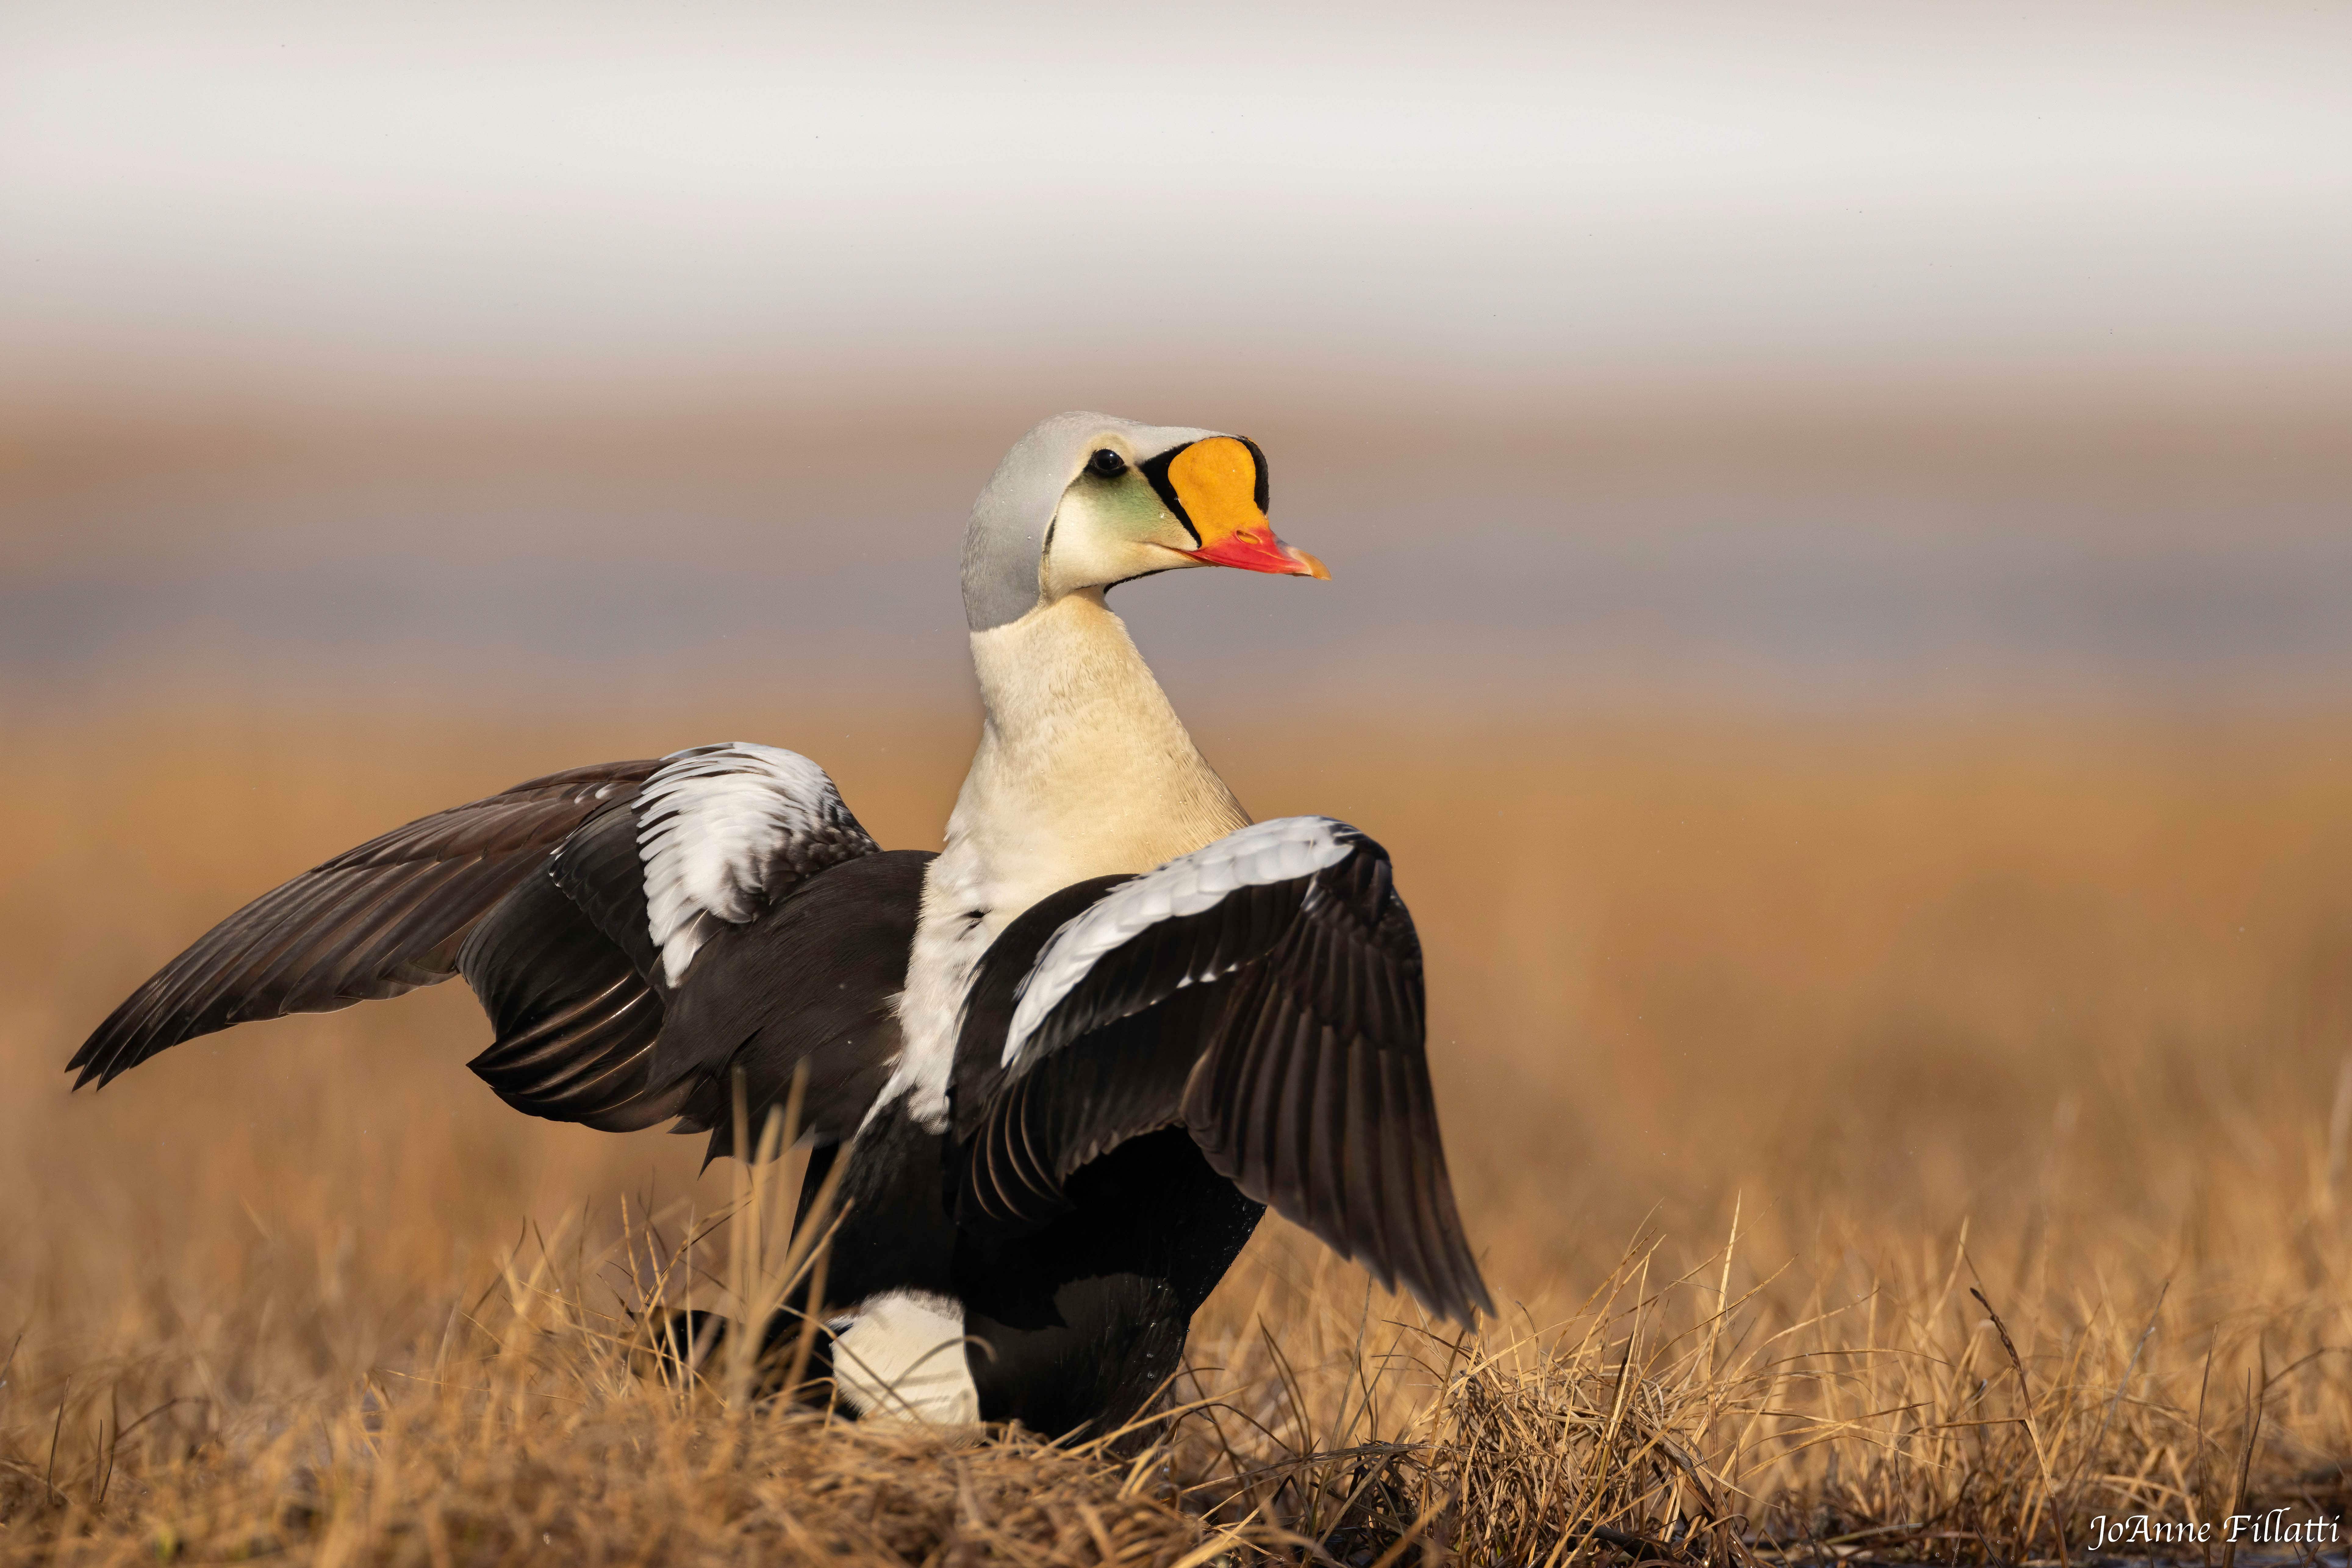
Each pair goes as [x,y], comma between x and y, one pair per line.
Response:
[1083,771]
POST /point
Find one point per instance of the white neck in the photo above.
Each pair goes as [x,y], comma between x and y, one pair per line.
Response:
[1084,770]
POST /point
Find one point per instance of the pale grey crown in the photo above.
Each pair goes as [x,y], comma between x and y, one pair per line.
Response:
[1004,543]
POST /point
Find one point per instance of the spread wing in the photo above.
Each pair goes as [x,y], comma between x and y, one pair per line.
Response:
[374,921]
[613,921]
[1265,994]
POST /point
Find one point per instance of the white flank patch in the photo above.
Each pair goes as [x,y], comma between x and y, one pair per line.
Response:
[902,1355]
[948,948]
[1282,851]
[711,822]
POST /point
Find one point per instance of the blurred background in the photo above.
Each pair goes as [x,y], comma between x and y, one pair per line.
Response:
[1824,355]
[1843,602]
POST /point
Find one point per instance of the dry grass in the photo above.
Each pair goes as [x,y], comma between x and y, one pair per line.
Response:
[1776,1063]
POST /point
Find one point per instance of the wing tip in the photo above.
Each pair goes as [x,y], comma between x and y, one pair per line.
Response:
[1462,1299]
[95,1072]
[111,1051]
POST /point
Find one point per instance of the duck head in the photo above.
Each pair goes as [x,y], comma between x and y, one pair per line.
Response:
[1084,500]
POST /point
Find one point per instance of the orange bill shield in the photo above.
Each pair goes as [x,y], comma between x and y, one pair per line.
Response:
[1217,488]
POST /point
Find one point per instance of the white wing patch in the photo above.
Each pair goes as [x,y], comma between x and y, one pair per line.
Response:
[1281,850]
[721,828]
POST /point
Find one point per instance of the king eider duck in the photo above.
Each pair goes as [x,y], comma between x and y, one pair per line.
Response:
[1065,1063]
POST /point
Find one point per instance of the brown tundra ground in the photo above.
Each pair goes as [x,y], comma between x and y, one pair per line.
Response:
[1891,1141]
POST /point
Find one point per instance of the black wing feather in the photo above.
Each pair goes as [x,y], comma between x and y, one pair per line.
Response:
[374,922]
[1316,1098]
[598,868]
[537,896]
[816,979]
[1282,1027]
[575,1020]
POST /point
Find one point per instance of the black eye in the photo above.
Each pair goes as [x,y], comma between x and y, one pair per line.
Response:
[1106,464]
